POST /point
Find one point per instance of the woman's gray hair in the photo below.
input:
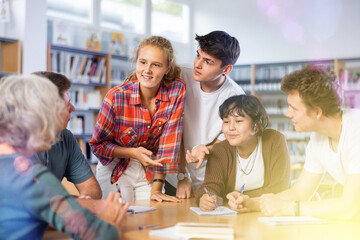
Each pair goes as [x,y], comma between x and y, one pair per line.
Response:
[30,112]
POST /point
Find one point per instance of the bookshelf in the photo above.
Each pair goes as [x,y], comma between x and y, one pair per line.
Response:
[92,74]
[348,72]
[10,56]
[89,73]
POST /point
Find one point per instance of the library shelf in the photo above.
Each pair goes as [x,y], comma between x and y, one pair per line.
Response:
[89,73]
[10,56]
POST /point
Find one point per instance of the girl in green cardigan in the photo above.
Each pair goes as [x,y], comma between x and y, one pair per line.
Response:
[251,155]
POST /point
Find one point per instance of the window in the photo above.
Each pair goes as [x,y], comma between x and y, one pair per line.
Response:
[123,15]
[77,10]
[171,20]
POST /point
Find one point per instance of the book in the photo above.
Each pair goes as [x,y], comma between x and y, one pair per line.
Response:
[62,33]
[219,211]
[284,220]
[132,44]
[99,69]
[205,230]
[117,45]
[92,40]
[195,230]
[73,68]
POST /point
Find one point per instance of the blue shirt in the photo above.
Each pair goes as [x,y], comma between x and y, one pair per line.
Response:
[31,198]
[65,159]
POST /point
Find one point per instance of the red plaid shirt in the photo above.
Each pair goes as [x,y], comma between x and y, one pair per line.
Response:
[124,121]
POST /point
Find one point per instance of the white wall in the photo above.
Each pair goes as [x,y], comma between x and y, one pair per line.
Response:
[287,30]
[35,37]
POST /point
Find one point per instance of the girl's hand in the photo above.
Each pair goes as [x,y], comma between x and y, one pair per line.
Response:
[158,196]
[238,201]
[144,156]
[207,203]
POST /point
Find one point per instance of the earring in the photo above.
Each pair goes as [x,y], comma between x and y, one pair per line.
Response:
[223,74]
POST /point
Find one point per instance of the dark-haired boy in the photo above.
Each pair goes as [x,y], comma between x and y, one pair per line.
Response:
[207,87]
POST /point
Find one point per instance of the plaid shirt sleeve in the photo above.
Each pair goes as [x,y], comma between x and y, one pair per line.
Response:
[102,142]
[169,142]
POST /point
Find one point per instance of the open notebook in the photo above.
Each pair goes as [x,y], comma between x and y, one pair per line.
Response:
[291,220]
[219,211]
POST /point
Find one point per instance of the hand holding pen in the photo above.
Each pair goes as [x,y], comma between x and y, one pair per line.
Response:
[122,200]
[209,201]
[211,196]
[237,200]
[111,211]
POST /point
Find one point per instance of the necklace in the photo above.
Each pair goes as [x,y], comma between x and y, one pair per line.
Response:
[251,158]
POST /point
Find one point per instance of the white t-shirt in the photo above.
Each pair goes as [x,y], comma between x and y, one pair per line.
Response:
[202,123]
[250,171]
[321,158]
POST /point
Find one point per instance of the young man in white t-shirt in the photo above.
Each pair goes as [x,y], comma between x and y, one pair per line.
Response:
[207,87]
[334,147]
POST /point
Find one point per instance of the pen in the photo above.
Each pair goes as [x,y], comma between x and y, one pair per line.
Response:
[131,211]
[242,188]
[149,226]
[121,199]
[209,194]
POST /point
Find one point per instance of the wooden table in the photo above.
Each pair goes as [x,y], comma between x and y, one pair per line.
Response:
[246,225]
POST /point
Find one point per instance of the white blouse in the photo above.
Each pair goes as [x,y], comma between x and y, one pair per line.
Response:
[250,171]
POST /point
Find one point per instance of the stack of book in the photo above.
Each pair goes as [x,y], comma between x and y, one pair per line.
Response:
[204,230]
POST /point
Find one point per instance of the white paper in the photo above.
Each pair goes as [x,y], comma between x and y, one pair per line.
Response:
[139,209]
[168,233]
[172,233]
[291,220]
[219,211]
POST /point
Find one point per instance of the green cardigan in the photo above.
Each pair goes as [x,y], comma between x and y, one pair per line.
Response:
[220,174]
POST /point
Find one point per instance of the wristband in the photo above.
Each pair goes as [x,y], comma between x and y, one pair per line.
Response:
[159,180]
[297,208]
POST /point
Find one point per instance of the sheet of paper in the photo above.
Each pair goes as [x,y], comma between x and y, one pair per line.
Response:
[219,211]
[168,233]
[139,209]
[174,233]
[291,220]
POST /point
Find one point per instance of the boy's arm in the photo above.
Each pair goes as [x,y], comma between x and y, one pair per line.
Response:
[199,152]
[184,188]
[344,207]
